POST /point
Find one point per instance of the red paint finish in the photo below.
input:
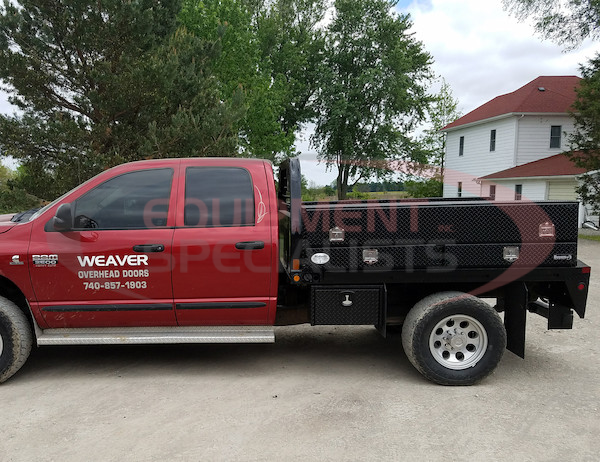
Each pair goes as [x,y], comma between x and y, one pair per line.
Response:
[95,278]
[211,275]
[14,261]
[101,268]
[71,283]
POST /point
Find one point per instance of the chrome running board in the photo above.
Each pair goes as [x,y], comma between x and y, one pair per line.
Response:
[141,335]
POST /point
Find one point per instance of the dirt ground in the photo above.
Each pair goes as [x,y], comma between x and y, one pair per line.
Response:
[325,393]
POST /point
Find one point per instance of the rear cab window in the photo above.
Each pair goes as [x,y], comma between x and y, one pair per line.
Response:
[218,197]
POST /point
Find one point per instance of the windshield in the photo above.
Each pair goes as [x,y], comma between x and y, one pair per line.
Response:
[56,201]
[46,207]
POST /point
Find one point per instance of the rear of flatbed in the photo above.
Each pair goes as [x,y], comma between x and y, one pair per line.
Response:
[380,262]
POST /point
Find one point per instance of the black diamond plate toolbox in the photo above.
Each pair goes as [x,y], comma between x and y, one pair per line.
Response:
[398,256]
[492,255]
[477,222]
[347,305]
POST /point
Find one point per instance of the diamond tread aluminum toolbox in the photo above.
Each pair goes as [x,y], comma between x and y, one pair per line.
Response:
[437,235]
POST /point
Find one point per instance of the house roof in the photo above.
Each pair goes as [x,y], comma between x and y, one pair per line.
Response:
[558,165]
[546,94]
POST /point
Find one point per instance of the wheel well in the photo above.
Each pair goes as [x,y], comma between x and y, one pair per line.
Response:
[402,297]
[11,292]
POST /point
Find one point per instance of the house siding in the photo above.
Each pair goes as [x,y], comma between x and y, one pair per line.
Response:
[533,141]
[533,190]
[562,190]
[477,160]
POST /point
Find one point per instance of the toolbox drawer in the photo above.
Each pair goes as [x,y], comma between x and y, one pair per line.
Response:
[347,305]
[492,255]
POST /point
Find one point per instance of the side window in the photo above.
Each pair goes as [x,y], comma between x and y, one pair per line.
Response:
[218,196]
[555,132]
[461,146]
[518,192]
[135,200]
[492,140]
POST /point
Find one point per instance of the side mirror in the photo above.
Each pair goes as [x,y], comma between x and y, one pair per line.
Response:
[63,219]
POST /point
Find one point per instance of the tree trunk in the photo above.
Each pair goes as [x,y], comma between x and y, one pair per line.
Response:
[342,181]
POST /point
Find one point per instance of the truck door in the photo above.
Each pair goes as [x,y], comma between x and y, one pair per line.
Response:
[223,246]
[113,268]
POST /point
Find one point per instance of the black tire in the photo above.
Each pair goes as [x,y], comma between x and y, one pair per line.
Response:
[16,339]
[453,338]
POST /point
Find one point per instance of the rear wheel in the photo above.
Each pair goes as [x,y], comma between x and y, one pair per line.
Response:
[15,339]
[453,338]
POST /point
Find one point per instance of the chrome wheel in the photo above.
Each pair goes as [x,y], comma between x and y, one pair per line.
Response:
[1,345]
[458,342]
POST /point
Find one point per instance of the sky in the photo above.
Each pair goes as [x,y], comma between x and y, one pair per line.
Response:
[477,47]
[481,51]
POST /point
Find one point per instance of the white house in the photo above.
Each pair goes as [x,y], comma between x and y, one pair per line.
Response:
[509,148]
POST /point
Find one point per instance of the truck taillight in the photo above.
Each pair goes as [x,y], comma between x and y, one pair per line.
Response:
[581,286]
[586,270]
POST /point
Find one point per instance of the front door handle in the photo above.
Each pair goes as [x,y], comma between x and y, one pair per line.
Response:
[250,245]
[149,248]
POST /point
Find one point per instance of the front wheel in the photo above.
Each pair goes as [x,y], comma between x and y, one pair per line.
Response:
[453,338]
[16,339]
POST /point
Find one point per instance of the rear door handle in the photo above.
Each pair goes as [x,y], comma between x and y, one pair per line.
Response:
[149,248]
[250,245]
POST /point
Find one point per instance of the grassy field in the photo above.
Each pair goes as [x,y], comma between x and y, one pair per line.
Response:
[590,237]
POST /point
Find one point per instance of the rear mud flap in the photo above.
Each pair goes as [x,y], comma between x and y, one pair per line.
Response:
[515,317]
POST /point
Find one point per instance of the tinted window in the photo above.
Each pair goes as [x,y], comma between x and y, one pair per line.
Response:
[218,196]
[135,200]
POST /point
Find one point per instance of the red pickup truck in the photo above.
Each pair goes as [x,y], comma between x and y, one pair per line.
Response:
[211,250]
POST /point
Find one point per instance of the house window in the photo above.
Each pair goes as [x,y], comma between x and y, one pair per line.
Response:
[459,189]
[461,146]
[555,132]
[492,140]
[518,192]
[493,192]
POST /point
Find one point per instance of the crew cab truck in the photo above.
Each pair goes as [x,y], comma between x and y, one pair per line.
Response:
[211,250]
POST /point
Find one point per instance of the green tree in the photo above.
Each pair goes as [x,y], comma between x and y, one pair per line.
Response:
[432,187]
[243,71]
[372,89]
[101,83]
[13,199]
[442,111]
[585,140]
[292,41]
[566,22]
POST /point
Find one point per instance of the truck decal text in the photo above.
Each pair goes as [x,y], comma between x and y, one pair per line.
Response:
[113,260]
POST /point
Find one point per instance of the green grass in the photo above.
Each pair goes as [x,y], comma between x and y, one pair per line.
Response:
[590,237]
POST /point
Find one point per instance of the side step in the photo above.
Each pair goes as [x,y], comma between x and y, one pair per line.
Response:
[141,335]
